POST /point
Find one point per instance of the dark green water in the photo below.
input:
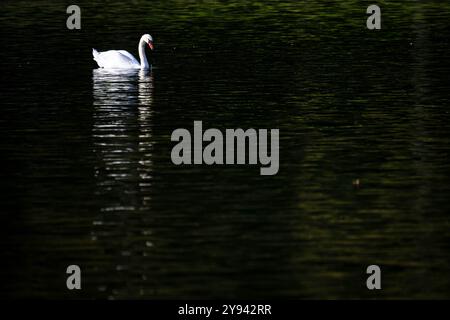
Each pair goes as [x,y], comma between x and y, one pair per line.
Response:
[87,177]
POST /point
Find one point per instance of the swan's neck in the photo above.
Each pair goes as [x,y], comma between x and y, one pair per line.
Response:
[142,57]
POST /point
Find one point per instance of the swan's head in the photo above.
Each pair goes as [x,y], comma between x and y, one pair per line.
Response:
[148,40]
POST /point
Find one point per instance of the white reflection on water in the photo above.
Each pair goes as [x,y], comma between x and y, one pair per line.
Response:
[122,143]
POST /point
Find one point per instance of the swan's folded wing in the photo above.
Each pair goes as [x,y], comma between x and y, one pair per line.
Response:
[129,55]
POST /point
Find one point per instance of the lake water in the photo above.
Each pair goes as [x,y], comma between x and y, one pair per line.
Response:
[87,177]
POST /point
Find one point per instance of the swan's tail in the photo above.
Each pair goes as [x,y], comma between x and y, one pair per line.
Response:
[95,54]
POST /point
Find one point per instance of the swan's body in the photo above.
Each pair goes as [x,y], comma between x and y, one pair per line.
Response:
[115,59]
[121,59]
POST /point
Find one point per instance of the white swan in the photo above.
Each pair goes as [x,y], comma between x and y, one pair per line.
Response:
[121,59]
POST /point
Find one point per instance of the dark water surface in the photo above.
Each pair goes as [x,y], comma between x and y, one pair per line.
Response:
[87,177]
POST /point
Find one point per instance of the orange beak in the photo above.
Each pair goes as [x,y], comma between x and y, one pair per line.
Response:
[150,45]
